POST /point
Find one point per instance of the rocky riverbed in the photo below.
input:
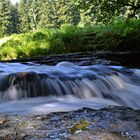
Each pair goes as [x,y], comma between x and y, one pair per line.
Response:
[110,123]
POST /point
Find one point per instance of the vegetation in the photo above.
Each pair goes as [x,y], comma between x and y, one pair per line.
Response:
[80,126]
[31,15]
[40,27]
[116,36]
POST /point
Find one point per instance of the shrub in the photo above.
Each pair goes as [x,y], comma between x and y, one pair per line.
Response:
[116,36]
[8,53]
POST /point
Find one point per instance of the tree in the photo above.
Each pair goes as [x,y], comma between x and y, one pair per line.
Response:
[133,8]
[24,15]
[5,17]
[89,11]
[29,15]
[15,19]
[44,11]
[34,13]
[54,13]
[104,11]
[115,8]
[67,12]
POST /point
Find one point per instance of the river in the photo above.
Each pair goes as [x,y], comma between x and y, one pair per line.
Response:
[40,89]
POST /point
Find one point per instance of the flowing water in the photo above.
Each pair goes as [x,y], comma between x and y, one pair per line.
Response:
[37,89]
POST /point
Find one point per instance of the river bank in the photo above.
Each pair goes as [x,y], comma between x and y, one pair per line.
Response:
[111,123]
[126,58]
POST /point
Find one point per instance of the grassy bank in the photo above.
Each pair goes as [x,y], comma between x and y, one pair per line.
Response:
[117,36]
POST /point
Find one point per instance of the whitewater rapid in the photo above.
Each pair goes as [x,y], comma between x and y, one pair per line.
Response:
[41,89]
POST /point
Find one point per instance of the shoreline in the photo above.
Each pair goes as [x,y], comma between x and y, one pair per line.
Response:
[126,58]
[112,122]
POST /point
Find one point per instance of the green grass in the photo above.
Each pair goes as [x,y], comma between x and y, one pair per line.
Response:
[120,35]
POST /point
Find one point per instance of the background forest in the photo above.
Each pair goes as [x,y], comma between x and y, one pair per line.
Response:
[30,15]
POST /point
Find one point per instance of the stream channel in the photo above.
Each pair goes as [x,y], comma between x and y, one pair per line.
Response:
[40,88]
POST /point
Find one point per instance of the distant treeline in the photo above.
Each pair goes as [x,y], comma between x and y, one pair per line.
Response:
[30,15]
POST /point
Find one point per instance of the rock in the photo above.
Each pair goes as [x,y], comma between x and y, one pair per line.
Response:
[2,120]
[130,58]
[111,123]
[96,136]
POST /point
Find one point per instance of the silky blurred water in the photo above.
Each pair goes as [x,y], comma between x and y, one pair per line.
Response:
[39,89]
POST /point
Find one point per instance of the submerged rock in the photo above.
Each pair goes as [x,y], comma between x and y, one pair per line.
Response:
[114,123]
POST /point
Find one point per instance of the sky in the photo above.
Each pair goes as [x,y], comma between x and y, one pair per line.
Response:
[14,1]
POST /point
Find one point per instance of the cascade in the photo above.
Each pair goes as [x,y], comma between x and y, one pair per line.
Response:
[118,84]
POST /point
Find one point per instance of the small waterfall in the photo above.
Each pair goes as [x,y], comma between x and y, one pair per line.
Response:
[114,83]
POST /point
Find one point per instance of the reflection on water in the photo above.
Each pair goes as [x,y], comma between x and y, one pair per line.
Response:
[43,89]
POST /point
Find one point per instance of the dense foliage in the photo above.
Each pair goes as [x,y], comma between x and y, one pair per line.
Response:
[31,15]
[119,35]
